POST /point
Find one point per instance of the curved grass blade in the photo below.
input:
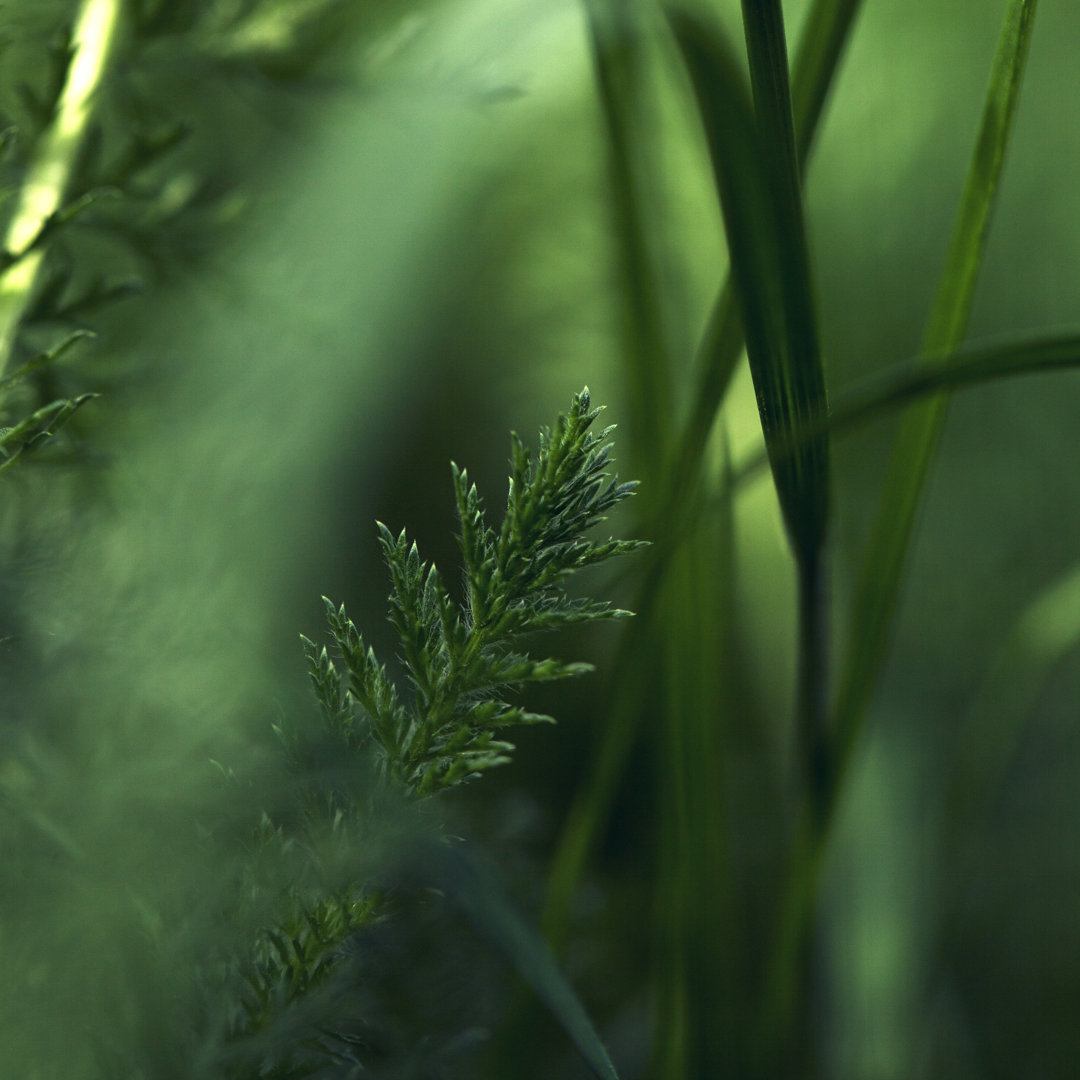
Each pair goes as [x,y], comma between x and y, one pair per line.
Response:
[480,895]
[878,585]
[872,398]
[894,388]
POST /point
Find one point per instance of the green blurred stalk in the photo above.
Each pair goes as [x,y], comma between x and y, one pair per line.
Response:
[95,33]
[916,442]
[878,586]
[802,478]
[698,998]
[615,36]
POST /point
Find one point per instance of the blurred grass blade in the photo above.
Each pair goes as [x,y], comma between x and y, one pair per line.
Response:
[985,750]
[990,738]
[629,685]
[878,584]
[699,1004]
[615,38]
[96,31]
[478,892]
[816,59]
[896,387]
[893,388]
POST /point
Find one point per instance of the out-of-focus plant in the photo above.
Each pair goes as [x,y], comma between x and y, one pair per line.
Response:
[110,178]
[462,662]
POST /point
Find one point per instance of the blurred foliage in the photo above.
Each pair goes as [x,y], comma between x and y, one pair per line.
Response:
[326,247]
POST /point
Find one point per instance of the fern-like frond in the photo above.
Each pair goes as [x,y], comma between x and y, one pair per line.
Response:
[463,661]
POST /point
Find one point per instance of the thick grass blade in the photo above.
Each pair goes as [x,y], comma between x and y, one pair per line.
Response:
[766,48]
[757,178]
[827,29]
[878,585]
[481,896]
[763,221]
[828,26]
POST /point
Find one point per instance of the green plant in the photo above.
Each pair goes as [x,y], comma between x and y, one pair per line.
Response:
[462,663]
[704,896]
[104,189]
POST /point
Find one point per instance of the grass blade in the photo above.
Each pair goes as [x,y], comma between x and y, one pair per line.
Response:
[480,894]
[878,586]
[616,44]
[763,219]
[767,52]
[985,749]
[94,37]
[828,26]
[897,386]
[699,1016]
[757,177]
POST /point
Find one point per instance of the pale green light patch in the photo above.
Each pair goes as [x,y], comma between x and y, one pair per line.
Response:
[271,28]
[1051,624]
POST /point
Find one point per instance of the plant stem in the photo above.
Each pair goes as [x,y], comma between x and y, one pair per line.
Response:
[879,583]
[95,33]
[812,716]
[878,588]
